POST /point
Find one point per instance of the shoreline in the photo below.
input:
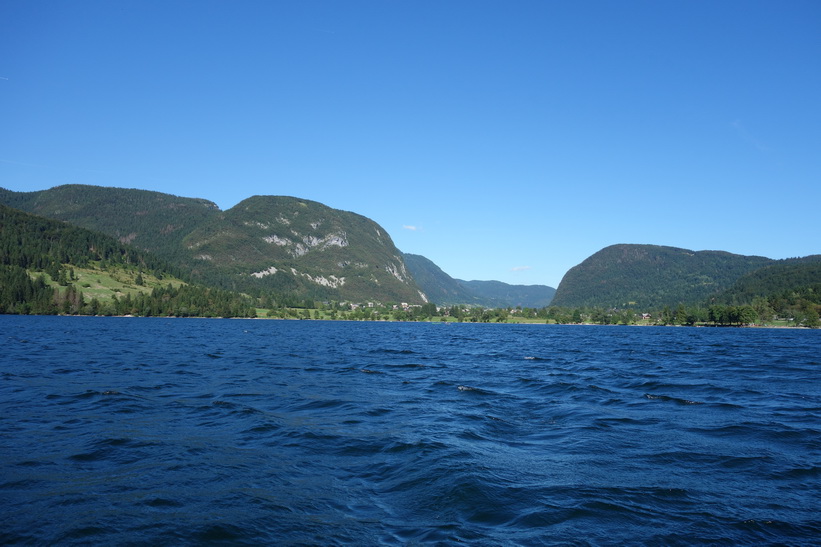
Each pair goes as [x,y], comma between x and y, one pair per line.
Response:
[128,316]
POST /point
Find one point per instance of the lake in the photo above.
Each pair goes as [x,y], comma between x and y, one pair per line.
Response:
[192,431]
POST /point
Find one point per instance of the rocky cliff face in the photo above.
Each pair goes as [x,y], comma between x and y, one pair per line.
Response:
[293,246]
[288,242]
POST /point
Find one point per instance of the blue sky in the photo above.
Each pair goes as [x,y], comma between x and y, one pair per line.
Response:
[502,140]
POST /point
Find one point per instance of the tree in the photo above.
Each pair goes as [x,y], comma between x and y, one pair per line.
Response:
[600,317]
[429,310]
[717,314]
[696,315]
[456,312]
[681,315]
[746,315]
[811,319]
[763,309]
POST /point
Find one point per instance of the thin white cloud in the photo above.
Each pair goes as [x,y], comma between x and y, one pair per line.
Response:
[520,268]
[411,228]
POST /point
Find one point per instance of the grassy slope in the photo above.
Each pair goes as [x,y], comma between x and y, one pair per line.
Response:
[114,281]
[223,248]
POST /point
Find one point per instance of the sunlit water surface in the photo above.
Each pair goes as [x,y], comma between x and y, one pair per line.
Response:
[171,431]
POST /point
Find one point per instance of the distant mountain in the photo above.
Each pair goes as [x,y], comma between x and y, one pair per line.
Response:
[292,246]
[502,295]
[652,276]
[436,284]
[445,290]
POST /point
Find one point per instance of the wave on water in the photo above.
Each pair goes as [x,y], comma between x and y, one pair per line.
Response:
[338,433]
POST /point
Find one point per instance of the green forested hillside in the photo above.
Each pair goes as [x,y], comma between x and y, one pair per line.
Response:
[443,289]
[146,220]
[46,266]
[285,246]
[799,276]
[292,245]
[501,295]
[33,242]
[436,284]
[651,276]
[288,251]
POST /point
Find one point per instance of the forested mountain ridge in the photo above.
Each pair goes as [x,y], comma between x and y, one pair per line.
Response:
[444,289]
[651,276]
[783,279]
[500,295]
[46,266]
[30,241]
[296,251]
[437,285]
[147,220]
[296,247]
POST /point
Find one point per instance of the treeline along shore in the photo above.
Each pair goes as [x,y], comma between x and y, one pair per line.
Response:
[49,267]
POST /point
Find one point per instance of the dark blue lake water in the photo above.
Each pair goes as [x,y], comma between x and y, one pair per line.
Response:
[172,431]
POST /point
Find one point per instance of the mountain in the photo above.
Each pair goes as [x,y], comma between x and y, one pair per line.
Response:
[294,250]
[652,276]
[502,295]
[31,241]
[445,290]
[48,267]
[436,284]
[147,220]
[794,277]
[300,246]
[292,246]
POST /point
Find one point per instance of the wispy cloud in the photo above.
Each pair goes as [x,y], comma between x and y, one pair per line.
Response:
[409,227]
[520,268]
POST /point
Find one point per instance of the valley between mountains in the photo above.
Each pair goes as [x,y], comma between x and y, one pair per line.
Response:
[287,249]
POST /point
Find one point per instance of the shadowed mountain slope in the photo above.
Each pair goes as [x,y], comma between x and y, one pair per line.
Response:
[445,290]
[436,284]
[506,295]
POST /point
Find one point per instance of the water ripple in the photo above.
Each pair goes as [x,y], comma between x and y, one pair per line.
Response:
[158,431]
